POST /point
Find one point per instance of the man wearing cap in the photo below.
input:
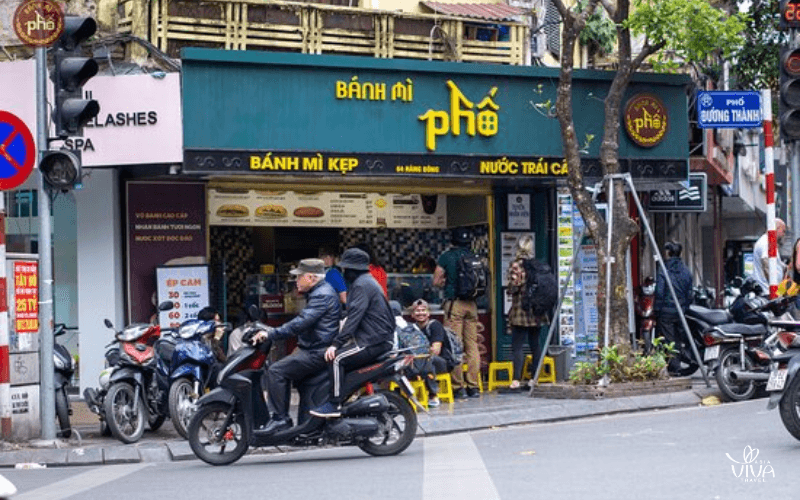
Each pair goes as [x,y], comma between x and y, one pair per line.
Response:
[314,328]
[368,329]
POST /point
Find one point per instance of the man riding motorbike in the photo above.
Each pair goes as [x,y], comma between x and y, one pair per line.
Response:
[314,328]
[368,330]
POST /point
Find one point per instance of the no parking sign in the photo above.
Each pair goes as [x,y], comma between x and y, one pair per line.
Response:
[17,151]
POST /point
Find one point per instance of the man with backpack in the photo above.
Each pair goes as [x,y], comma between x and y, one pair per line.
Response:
[463,277]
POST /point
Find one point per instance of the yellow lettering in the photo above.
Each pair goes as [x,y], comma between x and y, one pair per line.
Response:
[380,92]
[341,90]
[457,99]
[355,88]
[432,129]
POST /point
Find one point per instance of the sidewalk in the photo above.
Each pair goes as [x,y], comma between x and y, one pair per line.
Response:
[488,411]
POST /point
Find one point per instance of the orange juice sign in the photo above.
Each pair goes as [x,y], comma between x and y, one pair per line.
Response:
[26,296]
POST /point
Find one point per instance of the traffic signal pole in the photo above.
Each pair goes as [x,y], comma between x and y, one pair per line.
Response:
[47,395]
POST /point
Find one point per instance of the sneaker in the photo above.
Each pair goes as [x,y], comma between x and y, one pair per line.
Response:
[328,410]
[433,402]
[461,393]
[473,392]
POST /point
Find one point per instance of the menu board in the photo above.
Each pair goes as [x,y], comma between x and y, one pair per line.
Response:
[254,207]
[185,286]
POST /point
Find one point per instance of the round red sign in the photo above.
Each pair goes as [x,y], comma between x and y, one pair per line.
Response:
[17,151]
[646,120]
[38,23]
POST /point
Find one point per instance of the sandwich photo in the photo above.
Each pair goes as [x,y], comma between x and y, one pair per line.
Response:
[271,211]
[308,212]
[232,210]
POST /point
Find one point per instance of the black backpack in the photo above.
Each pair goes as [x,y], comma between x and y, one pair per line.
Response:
[541,290]
[452,348]
[472,276]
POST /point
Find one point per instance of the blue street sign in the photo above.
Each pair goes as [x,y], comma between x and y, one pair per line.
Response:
[729,109]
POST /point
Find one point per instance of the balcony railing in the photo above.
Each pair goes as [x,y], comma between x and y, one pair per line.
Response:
[315,29]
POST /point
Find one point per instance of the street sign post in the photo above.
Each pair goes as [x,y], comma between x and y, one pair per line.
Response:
[689,199]
[17,151]
[729,109]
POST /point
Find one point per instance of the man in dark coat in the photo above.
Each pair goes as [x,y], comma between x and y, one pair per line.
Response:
[315,328]
[668,322]
[368,330]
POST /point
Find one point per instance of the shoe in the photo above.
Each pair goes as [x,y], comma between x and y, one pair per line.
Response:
[473,392]
[328,410]
[461,393]
[277,425]
[434,402]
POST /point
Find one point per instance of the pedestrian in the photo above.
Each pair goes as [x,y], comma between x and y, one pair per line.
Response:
[376,268]
[332,275]
[525,325]
[461,315]
[761,257]
[436,335]
[314,328]
[668,322]
[368,330]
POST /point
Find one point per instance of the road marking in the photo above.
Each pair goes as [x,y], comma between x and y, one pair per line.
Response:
[81,482]
[453,468]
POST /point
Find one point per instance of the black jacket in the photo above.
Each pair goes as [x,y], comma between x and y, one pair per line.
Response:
[318,322]
[681,282]
[369,318]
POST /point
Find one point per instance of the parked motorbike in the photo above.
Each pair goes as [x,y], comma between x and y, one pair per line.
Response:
[783,383]
[229,419]
[64,368]
[190,370]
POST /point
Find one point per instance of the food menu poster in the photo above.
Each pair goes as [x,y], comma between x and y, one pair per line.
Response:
[255,207]
[187,288]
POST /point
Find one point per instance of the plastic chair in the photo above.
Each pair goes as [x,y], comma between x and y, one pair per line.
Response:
[548,373]
[445,388]
[500,366]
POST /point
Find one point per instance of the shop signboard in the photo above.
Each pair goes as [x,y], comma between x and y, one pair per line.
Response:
[255,207]
[187,288]
[692,198]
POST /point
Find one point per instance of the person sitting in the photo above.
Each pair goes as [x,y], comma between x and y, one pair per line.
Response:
[314,328]
[435,333]
[368,330]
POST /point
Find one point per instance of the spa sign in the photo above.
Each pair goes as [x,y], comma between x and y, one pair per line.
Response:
[646,120]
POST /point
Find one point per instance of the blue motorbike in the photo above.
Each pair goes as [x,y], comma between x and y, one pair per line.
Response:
[191,369]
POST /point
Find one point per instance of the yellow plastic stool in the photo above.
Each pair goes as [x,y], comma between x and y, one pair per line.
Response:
[499,366]
[465,369]
[420,392]
[548,373]
[445,387]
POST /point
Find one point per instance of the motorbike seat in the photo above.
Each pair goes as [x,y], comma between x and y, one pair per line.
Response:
[740,329]
[710,316]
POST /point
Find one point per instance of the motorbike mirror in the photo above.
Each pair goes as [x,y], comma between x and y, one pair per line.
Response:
[166,305]
[108,323]
[59,329]
[253,312]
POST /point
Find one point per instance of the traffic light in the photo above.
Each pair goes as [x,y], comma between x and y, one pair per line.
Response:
[61,169]
[70,73]
[789,107]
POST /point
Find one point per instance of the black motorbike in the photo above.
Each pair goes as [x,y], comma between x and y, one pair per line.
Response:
[230,418]
[783,384]
[64,369]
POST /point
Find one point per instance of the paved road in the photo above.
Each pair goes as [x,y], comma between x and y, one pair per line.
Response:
[675,454]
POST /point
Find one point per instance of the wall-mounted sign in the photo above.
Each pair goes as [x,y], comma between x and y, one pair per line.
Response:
[185,286]
[689,199]
[729,109]
[26,296]
[646,120]
[519,211]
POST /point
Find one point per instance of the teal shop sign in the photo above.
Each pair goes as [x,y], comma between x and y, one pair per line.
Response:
[276,112]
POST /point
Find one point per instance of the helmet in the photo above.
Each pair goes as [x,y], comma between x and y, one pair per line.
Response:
[460,236]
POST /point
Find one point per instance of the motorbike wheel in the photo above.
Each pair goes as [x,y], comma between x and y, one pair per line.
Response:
[398,428]
[62,413]
[119,405]
[212,441]
[182,401]
[790,407]
[733,390]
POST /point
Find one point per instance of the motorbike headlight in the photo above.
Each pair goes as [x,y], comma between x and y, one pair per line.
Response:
[105,375]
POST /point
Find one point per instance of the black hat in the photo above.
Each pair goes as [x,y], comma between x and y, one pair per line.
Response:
[460,236]
[353,258]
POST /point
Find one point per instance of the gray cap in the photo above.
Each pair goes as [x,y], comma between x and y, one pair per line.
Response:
[313,266]
[354,258]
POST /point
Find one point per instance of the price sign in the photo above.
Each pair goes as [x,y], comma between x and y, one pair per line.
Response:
[790,14]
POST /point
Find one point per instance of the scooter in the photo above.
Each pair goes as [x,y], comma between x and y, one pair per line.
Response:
[783,384]
[229,419]
[64,368]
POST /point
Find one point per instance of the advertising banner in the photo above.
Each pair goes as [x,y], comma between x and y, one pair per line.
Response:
[187,288]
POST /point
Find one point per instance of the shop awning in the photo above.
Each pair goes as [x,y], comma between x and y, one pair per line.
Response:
[488,11]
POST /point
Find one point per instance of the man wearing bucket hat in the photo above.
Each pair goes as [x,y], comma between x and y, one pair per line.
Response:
[368,330]
[314,328]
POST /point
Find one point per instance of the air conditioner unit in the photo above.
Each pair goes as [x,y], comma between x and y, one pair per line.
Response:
[539,44]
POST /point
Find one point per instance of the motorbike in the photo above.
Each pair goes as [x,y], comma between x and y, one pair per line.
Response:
[64,368]
[129,392]
[190,370]
[230,418]
[783,384]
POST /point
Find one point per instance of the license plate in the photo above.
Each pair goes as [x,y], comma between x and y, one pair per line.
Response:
[711,353]
[777,379]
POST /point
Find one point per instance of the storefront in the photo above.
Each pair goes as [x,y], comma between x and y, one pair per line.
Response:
[286,153]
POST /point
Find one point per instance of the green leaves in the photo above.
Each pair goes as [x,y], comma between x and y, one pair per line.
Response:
[623,365]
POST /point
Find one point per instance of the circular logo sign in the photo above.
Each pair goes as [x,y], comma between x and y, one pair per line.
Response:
[38,23]
[646,120]
[17,151]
